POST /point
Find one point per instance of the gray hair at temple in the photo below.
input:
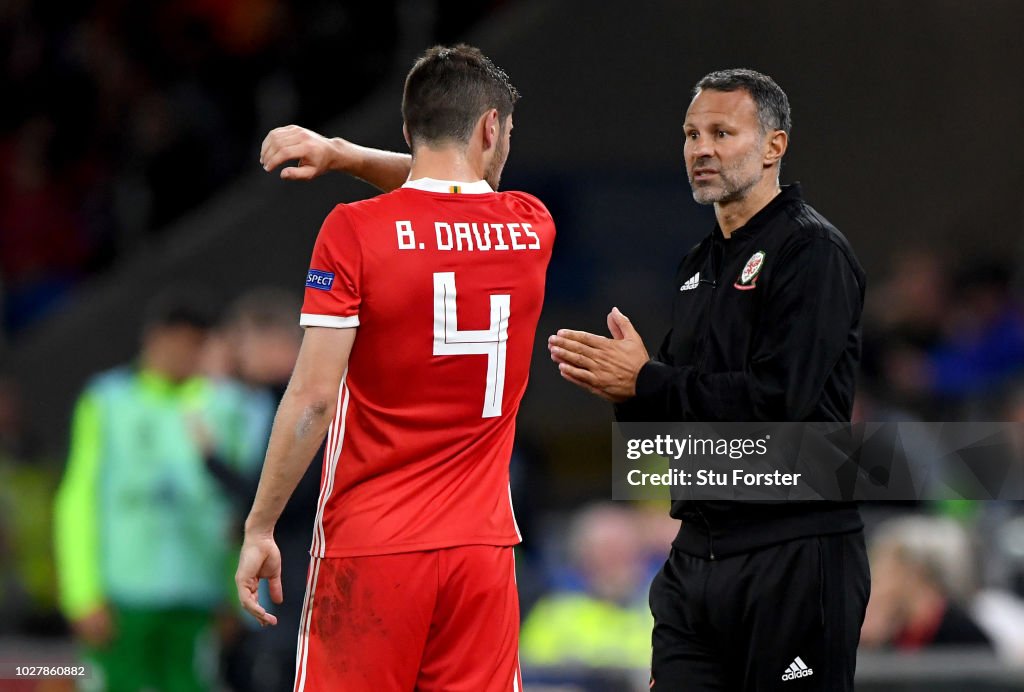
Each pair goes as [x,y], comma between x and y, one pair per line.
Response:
[771,101]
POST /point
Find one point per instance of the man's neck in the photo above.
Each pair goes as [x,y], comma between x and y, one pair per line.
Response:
[735,214]
[154,364]
[447,163]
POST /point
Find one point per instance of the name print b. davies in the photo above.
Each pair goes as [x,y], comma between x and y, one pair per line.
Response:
[468,237]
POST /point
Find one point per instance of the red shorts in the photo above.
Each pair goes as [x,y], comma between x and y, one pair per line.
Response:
[443,619]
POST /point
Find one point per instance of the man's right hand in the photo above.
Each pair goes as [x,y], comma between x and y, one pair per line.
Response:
[260,559]
[315,153]
[96,628]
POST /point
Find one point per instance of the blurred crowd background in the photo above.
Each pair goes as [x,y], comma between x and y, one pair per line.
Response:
[129,181]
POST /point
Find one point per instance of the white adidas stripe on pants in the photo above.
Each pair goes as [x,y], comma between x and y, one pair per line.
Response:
[335,438]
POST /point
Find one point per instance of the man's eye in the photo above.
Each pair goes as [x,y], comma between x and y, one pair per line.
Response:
[722,133]
[691,135]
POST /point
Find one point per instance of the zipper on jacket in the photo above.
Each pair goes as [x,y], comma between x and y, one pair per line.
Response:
[711,541]
[706,349]
[715,269]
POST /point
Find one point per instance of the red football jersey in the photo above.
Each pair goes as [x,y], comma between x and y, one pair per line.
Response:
[445,282]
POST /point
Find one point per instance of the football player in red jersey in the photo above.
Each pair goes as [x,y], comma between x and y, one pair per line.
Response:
[421,309]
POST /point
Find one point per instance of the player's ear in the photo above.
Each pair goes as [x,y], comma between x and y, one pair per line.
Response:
[775,147]
[408,139]
[491,128]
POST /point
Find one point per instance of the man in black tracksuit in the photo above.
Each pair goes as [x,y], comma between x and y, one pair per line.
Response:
[765,327]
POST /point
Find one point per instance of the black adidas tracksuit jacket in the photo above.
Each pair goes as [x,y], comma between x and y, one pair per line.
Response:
[766,326]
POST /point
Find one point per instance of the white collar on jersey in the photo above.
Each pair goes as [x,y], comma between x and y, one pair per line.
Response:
[434,185]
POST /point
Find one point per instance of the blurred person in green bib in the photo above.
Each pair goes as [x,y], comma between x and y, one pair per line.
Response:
[143,533]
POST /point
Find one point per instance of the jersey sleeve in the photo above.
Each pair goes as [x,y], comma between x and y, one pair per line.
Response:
[333,282]
[76,515]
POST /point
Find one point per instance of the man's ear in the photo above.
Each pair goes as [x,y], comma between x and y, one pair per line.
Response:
[491,128]
[775,147]
[405,134]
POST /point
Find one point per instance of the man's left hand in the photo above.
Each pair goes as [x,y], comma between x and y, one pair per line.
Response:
[605,367]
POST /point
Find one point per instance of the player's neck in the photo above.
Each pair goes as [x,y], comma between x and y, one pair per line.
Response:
[156,361]
[448,163]
[735,214]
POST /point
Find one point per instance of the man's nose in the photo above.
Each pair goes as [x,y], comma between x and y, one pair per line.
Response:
[702,148]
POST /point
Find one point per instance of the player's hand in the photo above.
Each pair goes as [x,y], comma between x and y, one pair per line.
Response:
[95,628]
[315,153]
[260,559]
[605,367]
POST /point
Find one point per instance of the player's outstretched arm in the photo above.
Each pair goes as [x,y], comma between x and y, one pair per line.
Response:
[302,419]
[316,155]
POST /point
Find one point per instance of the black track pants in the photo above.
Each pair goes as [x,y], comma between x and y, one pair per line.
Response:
[786,617]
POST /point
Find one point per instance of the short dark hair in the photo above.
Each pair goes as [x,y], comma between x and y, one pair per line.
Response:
[448,89]
[180,306]
[266,307]
[771,101]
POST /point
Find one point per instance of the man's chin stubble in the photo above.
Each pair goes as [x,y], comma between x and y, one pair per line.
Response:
[706,196]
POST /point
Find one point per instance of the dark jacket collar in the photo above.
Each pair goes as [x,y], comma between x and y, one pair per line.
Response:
[790,193]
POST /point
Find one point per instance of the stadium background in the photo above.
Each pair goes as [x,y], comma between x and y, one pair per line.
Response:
[130,134]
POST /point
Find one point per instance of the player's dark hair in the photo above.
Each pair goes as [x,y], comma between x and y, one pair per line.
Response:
[180,306]
[266,307]
[448,89]
[771,101]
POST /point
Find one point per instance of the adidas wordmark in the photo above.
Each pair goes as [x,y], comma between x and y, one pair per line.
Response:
[797,669]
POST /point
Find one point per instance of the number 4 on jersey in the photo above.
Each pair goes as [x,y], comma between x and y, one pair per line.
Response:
[493,342]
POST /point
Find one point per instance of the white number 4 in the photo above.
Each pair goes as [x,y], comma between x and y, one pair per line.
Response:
[493,342]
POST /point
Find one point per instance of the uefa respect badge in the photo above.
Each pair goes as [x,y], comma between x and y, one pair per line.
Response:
[315,278]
